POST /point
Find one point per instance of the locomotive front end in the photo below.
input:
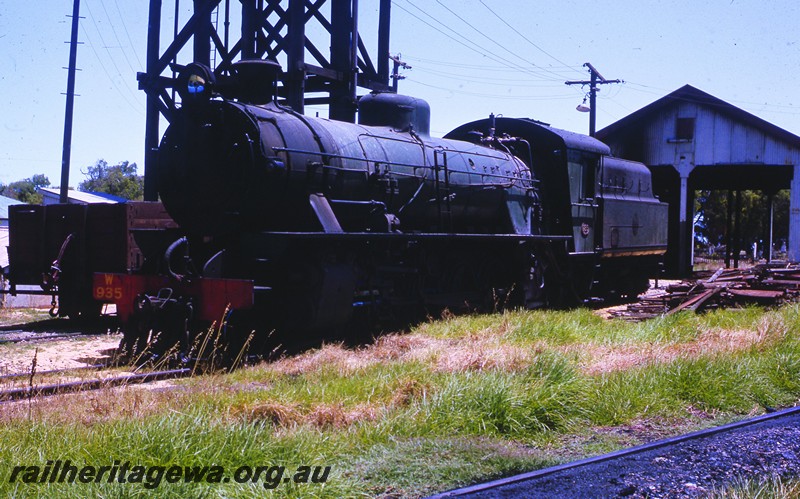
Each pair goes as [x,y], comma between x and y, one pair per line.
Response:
[213,168]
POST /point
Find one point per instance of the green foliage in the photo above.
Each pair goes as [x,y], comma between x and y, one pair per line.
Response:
[25,190]
[754,216]
[118,180]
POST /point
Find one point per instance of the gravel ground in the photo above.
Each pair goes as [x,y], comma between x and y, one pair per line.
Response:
[692,468]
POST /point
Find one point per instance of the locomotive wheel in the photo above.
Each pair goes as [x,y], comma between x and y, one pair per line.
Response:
[463,282]
[159,328]
[535,285]
[87,311]
[632,287]
[497,287]
[136,332]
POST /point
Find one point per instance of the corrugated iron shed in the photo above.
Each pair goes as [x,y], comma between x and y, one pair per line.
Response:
[692,140]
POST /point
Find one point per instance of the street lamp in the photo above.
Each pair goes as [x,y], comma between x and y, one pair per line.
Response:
[596,79]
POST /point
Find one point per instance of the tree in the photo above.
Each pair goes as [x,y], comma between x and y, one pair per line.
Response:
[712,210]
[25,190]
[118,180]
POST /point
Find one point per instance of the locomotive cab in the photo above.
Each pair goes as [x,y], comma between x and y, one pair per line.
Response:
[605,205]
[568,167]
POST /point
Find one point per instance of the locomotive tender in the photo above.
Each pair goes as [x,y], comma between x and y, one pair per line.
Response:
[308,226]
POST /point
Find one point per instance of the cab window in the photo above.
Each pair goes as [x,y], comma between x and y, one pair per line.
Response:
[581,168]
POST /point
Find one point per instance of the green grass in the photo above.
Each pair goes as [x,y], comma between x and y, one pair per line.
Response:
[770,488]
[455,402]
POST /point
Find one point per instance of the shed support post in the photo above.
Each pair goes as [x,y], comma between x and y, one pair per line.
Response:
[685,228]
[793,248]
[768,245]
[729,231]
[737,229]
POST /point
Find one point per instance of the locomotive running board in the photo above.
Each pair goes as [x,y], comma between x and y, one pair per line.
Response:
[416,235]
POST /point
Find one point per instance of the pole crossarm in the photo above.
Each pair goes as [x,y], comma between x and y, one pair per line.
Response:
[596,79]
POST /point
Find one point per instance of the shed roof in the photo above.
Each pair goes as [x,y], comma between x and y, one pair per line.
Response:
[81,197]
[688,93]
[5,202]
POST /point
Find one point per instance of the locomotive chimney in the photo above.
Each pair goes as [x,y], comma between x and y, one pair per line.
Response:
[256,80]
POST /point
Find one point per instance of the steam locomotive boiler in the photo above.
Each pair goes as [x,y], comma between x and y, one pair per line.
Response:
[310,227]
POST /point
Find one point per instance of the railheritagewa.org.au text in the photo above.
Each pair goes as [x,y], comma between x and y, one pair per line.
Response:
[151,477]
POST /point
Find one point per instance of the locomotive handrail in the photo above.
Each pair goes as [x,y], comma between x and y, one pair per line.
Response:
[437,146]
[390,163]
[438,186]
[401,174]
[355,158]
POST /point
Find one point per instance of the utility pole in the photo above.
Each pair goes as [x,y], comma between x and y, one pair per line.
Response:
[396,76]
[595,80]
[73,57]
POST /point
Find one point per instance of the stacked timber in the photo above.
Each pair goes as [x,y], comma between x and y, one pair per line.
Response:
[765,284]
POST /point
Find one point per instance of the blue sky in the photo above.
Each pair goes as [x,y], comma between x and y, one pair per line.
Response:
[468,58]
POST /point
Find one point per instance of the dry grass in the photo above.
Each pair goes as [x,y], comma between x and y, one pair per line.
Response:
[323,416]
[595,359]
[478,352]
[408,390]
[487,350]
[424,412]
[272,412]
[95,407]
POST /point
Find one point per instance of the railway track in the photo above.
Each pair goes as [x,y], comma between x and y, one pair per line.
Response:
[45,390]
[690,465]
[50,372]
[27,337]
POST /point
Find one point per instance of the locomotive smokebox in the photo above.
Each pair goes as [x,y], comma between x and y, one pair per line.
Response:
[400,112]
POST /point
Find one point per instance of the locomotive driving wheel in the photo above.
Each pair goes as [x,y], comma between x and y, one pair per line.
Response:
[534,284]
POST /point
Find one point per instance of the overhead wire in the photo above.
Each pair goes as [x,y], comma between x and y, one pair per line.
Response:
[485,80]
[537,47]
[496,96]
[128,34]
[493,69]
[572,69]
[133,104]
[116,36]
[473,48]
[492,40]
[471,45]
[506,65]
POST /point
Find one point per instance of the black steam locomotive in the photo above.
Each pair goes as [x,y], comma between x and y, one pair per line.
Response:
[308,226]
